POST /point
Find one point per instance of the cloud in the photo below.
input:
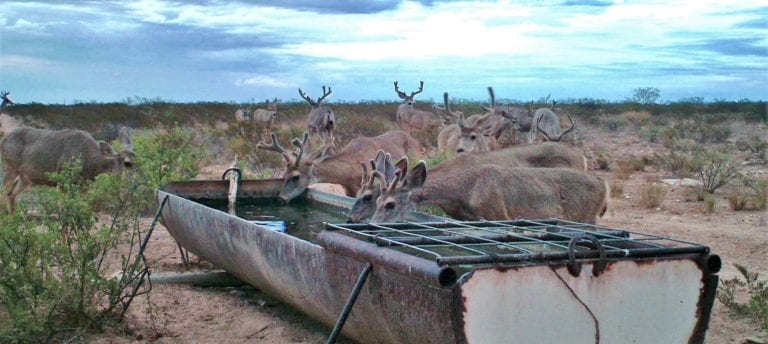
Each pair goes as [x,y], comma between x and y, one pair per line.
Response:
[264,81]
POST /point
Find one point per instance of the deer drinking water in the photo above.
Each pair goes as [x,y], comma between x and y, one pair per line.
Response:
[306,166]
[29,154]
[321,118]
[494,193]
[545,155]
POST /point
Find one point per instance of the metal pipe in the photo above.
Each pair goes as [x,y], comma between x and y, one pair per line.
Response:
[350,303]
[389,259]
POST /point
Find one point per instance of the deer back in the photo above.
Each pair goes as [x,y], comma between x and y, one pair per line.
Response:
[31,153]
[495,192]
[549,154]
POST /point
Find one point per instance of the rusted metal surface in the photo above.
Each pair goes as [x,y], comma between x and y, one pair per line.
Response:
[407,299]
[391,308]
[657,302]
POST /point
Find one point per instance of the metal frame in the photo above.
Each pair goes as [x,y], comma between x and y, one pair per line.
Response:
[485,242]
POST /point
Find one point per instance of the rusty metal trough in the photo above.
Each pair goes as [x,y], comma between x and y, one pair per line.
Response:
[433,280]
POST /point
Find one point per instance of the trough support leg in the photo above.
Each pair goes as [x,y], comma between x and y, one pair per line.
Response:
[350,303]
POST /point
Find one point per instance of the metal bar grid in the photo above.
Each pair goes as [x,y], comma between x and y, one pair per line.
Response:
[486,242]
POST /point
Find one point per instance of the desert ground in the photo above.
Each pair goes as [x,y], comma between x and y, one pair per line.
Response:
[187,314]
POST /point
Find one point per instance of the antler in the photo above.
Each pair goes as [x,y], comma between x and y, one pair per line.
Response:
[300,145]
[400,94]
[307,98]
[560,137]
[320,100]
[275,147]
[4,94]
[421,88]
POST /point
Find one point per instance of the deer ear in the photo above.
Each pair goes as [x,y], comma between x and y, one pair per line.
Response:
[402,166]
[417,176]
[106,148]
[125,138]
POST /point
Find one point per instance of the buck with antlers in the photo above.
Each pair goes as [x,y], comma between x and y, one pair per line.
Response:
[7,101]
[534,122]
[306,166]
[410,118]
[545,155]
[30,154]
[321,118]
[493,192]
[469,135]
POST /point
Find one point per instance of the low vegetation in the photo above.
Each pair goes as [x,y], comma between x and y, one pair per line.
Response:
[755,296]
[79,268]
[652,195]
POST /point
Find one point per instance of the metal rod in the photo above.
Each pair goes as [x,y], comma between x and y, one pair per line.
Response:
[463,239]
[510,258]
[350,303]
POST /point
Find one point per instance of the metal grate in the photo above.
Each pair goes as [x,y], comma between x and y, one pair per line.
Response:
[488,242]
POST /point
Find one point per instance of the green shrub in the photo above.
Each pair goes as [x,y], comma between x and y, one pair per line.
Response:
[715,168]
[710,203]
[652,195]
[681,165]
[756,146]
[752,194]
[756,305]
[54,268]
[653,134]
[163,156]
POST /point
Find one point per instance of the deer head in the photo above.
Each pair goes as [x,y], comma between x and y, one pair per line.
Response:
[124,158]
[445,112]
[299,164]
[370,187]
[395,200]
[6,100]
[475,136]
[406,98]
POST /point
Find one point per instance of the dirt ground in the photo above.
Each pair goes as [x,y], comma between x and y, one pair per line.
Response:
[184,314]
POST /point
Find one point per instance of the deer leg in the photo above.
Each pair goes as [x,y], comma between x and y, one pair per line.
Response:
[19,185]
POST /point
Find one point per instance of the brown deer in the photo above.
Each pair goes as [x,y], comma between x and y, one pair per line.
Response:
[471,134]
[7,101]
[545,155]
[410,118]
[29,154]
[306,166]
[534,122]
[264,118]
[370,188]
[494,193]
[321,118]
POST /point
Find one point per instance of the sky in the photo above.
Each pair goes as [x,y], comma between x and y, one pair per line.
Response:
[240,51]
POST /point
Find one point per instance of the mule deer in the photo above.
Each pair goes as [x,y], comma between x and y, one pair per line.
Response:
[410,118]
[533,122]
[321,118]
[470,134]
[494,193]
[6,100]
[370,189]
[265,118]
[545,155]
[29,154]
[306,166]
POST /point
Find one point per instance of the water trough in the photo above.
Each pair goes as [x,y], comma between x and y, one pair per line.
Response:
[434,280]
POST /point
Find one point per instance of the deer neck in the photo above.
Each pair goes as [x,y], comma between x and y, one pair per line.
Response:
[333,170]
